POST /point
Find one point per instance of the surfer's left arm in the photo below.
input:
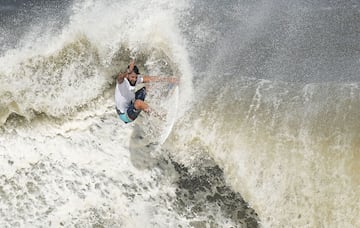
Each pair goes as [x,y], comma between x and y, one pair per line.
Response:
[173,79]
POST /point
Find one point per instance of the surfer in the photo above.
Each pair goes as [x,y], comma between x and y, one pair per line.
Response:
[130,104]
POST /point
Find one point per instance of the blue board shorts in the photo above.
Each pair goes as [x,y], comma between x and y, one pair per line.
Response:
[132,113]
[125,118]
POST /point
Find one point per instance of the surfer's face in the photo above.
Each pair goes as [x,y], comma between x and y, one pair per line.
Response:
[132,77]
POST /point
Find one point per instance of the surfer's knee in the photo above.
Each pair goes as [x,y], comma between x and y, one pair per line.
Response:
[141,105]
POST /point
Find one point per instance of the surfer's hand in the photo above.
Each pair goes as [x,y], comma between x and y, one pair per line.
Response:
[131,66]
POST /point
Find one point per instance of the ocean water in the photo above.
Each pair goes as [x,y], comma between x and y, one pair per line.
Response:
[267,125]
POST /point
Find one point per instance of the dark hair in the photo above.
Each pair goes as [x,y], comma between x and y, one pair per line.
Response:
[135,69]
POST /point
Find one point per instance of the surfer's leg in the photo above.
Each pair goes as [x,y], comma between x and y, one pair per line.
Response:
[141,105]
[135,109]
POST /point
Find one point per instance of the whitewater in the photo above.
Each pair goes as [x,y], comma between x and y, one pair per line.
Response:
[267,124]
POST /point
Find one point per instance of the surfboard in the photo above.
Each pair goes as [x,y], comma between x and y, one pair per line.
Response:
[152,130]
[162,119]
[171,104]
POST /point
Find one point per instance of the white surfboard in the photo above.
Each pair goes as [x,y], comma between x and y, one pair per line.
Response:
[171,102]
[152,130]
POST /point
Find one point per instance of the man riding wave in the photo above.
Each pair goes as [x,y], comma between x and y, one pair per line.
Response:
[129,103]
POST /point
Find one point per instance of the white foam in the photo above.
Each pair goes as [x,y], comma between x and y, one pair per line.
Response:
[78,156]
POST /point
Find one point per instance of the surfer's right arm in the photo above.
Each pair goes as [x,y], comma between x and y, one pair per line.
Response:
[130,69]
[131,66]
[121,77]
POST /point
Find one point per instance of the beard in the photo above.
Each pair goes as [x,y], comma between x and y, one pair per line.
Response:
[132,83]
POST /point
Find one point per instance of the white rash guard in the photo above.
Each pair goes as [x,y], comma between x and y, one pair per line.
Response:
[125,93]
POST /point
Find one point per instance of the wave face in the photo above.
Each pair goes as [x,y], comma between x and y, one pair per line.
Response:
[267,131]
[278,92]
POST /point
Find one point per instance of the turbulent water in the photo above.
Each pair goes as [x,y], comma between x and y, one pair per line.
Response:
[267,131]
